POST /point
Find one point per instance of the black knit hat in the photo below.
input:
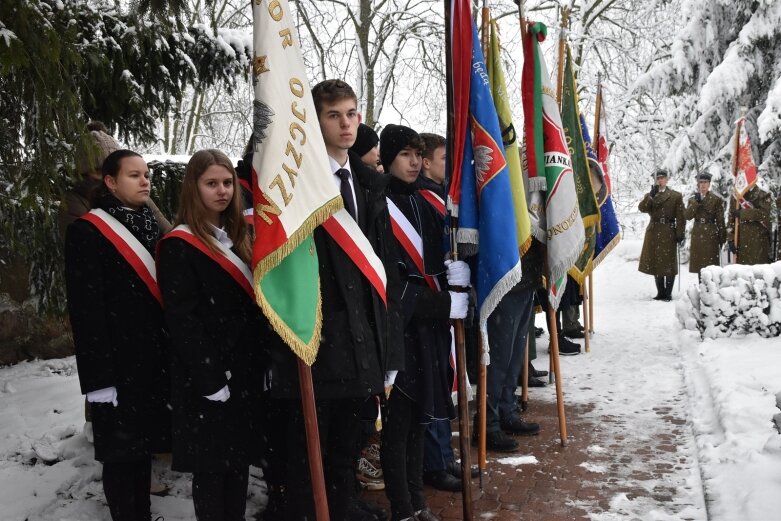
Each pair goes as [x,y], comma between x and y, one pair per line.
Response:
[393,139]
[365,140]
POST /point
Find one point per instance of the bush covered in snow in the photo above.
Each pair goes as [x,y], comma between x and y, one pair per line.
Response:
[734,300]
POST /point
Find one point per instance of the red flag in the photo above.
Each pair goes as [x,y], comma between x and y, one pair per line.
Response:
[745,170]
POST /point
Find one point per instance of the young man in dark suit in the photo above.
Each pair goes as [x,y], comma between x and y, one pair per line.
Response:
[361,334]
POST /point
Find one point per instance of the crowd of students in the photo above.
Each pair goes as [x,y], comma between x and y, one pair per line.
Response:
[175,356]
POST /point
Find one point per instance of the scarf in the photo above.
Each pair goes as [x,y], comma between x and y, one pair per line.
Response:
[141,223]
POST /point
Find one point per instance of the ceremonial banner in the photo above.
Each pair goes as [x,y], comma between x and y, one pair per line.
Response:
[510,141]
[609,234]
[745,170]
[587,203]
[486,202]
[295,191]
[549,168]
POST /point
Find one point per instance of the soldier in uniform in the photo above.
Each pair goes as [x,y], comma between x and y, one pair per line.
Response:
[752,216]
[667,227]
[709,231]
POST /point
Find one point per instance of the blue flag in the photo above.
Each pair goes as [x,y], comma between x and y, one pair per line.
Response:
[486,214]
[609,233]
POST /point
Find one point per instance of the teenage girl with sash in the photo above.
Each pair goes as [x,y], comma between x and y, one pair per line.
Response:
[216,336]
[117,319]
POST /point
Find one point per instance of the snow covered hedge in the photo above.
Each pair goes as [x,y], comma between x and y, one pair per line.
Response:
[734,300]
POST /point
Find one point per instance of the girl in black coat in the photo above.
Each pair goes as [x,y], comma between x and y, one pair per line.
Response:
[216,337]
[117,319]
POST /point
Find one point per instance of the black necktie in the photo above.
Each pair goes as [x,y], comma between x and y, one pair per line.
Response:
[347,191]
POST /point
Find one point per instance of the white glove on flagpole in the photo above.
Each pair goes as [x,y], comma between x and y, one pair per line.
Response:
[457,273]
[107,395]
[220,396]
[459,303]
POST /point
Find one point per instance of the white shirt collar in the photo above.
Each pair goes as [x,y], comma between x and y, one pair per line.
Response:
[222,236]
[336,166]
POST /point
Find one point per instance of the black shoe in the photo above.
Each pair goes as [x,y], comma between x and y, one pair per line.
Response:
[498,441]
[568,348]
[454,468]
[535,382]
[659,297]
[519,427]
[425,515]
[574,333]
[442,480]
[372,508]
[536,373]
[538,331]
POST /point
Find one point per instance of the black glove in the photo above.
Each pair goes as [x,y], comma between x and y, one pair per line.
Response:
[698,197]
[732,248]
[654,190]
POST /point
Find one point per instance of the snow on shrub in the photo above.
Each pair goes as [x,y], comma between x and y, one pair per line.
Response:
[734,300]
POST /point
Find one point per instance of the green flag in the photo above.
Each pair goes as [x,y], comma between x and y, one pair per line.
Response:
[587,201]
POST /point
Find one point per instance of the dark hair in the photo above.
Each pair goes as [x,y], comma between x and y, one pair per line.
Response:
[431,142]
[111,166]
[331,91]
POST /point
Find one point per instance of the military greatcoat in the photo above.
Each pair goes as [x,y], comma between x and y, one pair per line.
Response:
[667,226]
[709,231]
[754,227]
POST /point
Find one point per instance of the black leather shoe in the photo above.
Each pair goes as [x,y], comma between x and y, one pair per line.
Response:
[568,347]
[425,515]
[454,468]
[519,427]
[538,331]
[573,333]
[498,441]
[535,382]
[360,509]
[536,373]
[442,480]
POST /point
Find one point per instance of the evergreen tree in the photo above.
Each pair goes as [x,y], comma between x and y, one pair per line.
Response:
[725,58]
[63,62]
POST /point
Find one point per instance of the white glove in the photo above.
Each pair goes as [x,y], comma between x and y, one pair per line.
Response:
[220,396]
[457,273]
[390,377]
[459,303]
[107,395]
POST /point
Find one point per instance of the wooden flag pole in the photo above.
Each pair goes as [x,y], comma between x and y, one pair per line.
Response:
[735,151]
[590,327]
[586,318]
[313,441]
[595,143]
[458,325]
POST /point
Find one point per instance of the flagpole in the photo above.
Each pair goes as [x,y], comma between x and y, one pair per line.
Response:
[458,325]
[521,19]
[735,150]
[597,118]
[525,373]
[313,441]
[586,317]
[554,345]
[482,388]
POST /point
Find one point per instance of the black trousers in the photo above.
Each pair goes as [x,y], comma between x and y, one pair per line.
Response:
[340,431]
[126,485]
[402,456]
[221,496]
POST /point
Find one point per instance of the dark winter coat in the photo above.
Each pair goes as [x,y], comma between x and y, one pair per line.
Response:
[426,377]
[361,338]
[118,331]
[754,229]
[215,327]
[778,229]
[667,227]
[708,232]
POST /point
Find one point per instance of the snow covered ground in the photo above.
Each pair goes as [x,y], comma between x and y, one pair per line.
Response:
[643,365]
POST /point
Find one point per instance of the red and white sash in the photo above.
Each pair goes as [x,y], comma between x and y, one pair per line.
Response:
[128,246]
[228,261]
[348,235]
[410,241]
[435,200]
